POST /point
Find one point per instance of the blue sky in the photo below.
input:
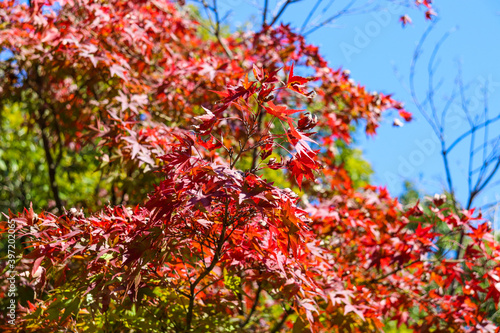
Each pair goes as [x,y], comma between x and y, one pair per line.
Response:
[378,52]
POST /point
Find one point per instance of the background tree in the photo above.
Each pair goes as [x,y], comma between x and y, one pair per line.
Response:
[466,104]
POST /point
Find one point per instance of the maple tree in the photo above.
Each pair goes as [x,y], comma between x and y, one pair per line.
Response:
[189,130]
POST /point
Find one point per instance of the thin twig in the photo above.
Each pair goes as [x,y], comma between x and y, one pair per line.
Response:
[332,18]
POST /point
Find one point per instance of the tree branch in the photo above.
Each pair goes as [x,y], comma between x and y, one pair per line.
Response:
[216,24]
[332,18]
[309,16]
[51,163]
[474,128]
[254,306]
[282,10]
[264,13]
[215,260]
[282,322]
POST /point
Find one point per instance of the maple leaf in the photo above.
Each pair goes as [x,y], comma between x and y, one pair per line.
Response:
[210,144]
[296,83]
[350,308]
[258,73]
[119,71]
[280,111]
[208,121]
[302,164]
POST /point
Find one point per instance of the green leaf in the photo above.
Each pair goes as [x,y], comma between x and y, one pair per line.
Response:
[72,307]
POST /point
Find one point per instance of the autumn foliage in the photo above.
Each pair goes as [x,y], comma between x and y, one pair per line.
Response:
[194,133]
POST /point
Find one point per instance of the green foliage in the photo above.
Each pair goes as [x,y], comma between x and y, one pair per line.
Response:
[392,327]
[24,171]
[410,193]
[356,166]
[23,174]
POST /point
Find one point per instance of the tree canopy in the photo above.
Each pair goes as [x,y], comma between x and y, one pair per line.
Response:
[179,181]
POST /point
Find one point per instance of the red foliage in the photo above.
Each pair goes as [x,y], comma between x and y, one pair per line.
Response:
[154,94]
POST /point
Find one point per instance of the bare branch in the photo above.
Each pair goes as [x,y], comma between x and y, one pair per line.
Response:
[311,13]
[282,10]
[212,13]
[431,70]
[469,132]
[347,9]
[413,90]
[490,177]
[264,13]
[463,100]
[485,138]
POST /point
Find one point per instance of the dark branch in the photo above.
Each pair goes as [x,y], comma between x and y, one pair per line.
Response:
[282,322]
[254,306]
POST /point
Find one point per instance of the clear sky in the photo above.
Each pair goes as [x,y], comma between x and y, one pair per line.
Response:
[378,52]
